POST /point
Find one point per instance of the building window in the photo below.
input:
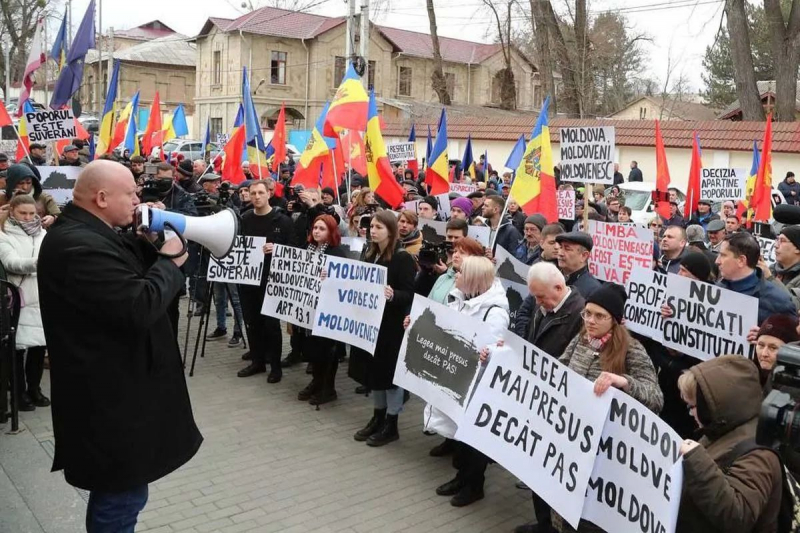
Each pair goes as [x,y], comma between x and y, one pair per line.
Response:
[215,126]
[278,68]
[537,96]
[497,87]
[404,81]
[339,68]
[371,76]
[642,113]
[450,83]
[216,68]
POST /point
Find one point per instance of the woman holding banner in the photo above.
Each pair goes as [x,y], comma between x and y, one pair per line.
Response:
[319,351]
[377,372]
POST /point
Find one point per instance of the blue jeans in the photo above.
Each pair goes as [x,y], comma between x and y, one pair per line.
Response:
[114,512]
[221,292]
[391,400]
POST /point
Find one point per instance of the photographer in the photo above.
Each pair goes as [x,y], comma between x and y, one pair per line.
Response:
[435,261]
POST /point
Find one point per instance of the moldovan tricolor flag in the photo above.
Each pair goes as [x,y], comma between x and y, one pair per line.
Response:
[438,172]
[107,119]
[23,143]
[534,187]
[744,206]
[131,141]
[762,196]
[348,110]
[36,58]
[413,164]
[315,158]
[353,146]
[379,170]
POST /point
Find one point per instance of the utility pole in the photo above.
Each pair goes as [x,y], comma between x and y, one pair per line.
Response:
[350,39]
[69,24]
[6,55]
[365,41]
[46,66]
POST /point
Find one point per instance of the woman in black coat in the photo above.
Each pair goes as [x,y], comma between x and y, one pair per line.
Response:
[319,351]
[377,372]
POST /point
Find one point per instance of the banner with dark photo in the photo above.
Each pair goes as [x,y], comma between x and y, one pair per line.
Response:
[516,294]
[435,231]
[353,246]
[707,321]
[646,292]
[58,182]
[294,285]
[243,265]
[540,420]
[510,268]
[440,355]
[638,474]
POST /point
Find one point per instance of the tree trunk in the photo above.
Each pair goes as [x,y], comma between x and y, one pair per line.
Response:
[786,57]
[570,101]
[437,78]
[584,81]
[744,74]
[545,58]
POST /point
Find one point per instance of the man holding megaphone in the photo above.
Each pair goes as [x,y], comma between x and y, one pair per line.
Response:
[121,411]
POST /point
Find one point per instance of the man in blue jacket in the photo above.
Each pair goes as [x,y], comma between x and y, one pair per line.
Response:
[790,189]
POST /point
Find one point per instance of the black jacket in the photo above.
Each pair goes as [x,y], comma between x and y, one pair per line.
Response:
[583,281]
[121,411]
[277,228]
[507,235]
[635,175]
[553,334]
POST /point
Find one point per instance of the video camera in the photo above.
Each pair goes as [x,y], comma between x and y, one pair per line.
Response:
[154,189]
[225,192]
[366,217]
[432,253]
[779,421]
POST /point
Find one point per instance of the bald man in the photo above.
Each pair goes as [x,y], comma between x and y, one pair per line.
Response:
[121,411]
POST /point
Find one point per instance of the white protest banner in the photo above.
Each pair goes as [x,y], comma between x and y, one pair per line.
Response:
[516,294]
[646,290]
[401,152]
[638,475]
[767,249]
[617,249]
[50,125]
[707,321]
[440,355]
[353,247]
[509,267]
[435,231]
[566,204]
[294,285]
[463,189]
[540,420]
[720,184]
[244,264]
[587,154]
[58,182]
[351,303]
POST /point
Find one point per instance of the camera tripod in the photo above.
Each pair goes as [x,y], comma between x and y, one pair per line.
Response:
[202,328]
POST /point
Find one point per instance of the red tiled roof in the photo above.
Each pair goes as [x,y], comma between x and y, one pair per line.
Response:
[284,23]
[221,23]
[714,134]
[144,32]
[453,50]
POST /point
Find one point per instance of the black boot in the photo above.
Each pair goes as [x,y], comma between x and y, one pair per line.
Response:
[387,434]
[25,404]
[326,373]
[445,448]
[310,390]
[466,496]
[38,399]
[373,426]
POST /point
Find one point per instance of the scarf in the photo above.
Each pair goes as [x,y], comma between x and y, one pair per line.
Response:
[598,344]
[319,249]
[410,237]
[31,228]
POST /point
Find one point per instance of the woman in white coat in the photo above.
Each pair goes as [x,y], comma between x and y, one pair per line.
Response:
[20,240]
[477,294]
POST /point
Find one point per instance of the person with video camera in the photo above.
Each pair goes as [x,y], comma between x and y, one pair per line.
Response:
[264,332]
[434,260]
[122,417]
[377,373]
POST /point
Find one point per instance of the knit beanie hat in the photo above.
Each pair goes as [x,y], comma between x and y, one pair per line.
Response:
[698,265]
[465,204]
[537,220]
[793,234]
[610,297]
[783,327]
[432,201]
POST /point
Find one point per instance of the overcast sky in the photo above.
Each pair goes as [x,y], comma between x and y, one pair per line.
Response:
[680,29]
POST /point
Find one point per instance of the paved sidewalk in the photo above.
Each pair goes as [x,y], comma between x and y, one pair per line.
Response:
[268,463]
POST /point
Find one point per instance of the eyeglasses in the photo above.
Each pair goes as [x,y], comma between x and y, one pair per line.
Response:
[594,317]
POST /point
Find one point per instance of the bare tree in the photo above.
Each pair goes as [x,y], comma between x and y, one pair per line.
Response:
[786,56]
[437,78]
[19,19]
[743,71]
[508,89]
[545,59]
[570,96]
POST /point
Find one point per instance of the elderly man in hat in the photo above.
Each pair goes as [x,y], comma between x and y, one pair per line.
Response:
[703,215]
[38,154]
[529,250]
[71,157]
[675,217]
[573,260]
[716,234]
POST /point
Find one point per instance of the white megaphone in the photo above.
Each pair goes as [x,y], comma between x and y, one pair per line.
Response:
[216,232]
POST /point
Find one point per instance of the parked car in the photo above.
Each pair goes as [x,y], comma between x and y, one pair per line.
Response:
[639,197]
[190,149]
[90,123]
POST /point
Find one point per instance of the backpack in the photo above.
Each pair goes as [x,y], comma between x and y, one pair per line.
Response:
[789,512]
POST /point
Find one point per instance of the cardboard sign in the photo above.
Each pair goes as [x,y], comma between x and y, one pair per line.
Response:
[720,184]
[566,204]
[440,355]
[435,231]
[58,182]
[509,267]
[50,125]
[767,249]
[351,303]
[618,249]
[401,152]
[587,154]
[463,189]
[540,420]
[646,290]
[516,294]
[243,265]
[444,206]
[638,474]
[294,285]
[707,320]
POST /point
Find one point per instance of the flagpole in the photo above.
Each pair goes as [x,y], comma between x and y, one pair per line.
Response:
[349,168]
[25,148]
[336,172]
[499,223]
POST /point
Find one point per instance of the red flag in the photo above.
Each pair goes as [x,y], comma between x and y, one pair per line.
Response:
[80,131]
[328,172]
[693,189]
[338,161]
[5,120]
[153,126]
[232,165]
[353,147]
[279,140]
[662,176]
[762,195]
